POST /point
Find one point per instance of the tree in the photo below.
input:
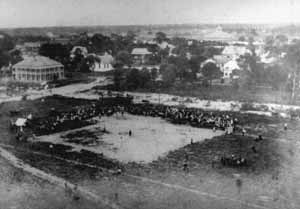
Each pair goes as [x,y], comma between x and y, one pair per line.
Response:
[169,74]
[292,63]
[6,42]
[144,78]
[100,44]
[118,76]
[194,64]
[133,80]
[87,63]
[123,58]
[130,35]
[163,54]
[253,32]
[160,37]
[78,60]
[283,39]
[4,58]
[55,51]
[197,49]
[269,40]
[15,56]
[180,50]
[277,77]
[153,59]
[242,38]
[254,70]
[210,71]
[251,40]
[211,51]
[154,74]
[163,67]
[245,80]
[181,66]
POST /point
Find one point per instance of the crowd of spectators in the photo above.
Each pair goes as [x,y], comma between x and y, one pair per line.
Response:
[80,116]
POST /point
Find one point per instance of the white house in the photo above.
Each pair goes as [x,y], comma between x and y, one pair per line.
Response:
[207,61]
[164,45]
[221,60]
[267,58]
[83,50]
[140,55]
[229,67]
[105,64]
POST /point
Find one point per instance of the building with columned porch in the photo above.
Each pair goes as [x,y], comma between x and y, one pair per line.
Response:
[37,69]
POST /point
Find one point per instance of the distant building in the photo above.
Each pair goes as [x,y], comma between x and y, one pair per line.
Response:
[32,47]
[38,69]
[217,34]
[147,67]
[188,55]
[63,41]
[166,45]
[221,60]
[207,61]
[51,35]
[83,50]
[235,52]
[267,58]
[140,55]
[105,64]
[229,67]
[29,48]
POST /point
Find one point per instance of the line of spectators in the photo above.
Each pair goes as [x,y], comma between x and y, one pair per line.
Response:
[80,116]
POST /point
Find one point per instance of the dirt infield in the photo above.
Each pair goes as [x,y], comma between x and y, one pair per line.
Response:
[151,137]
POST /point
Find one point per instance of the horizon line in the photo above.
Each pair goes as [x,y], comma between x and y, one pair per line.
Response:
[154,24]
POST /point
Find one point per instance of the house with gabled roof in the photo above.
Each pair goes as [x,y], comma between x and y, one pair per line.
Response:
[140,55]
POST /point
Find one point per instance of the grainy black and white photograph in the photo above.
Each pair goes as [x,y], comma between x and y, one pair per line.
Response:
[149,104]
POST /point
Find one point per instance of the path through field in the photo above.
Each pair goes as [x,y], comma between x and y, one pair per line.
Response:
[76,190]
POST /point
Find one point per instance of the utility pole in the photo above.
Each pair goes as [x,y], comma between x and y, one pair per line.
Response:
[158,96]
[294,87]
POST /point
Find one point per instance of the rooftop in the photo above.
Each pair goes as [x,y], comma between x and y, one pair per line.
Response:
[235,50]
[106,59]
[82,48]
[232,65]
[140,51]
[32,44]
[37,62]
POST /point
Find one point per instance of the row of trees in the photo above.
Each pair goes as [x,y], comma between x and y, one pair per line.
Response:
[177,69]
[7,54]
[132,79]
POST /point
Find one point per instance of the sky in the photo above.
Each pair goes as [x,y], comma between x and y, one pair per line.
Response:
[39,13]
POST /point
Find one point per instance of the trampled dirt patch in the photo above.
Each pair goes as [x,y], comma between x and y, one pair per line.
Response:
[85,137]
